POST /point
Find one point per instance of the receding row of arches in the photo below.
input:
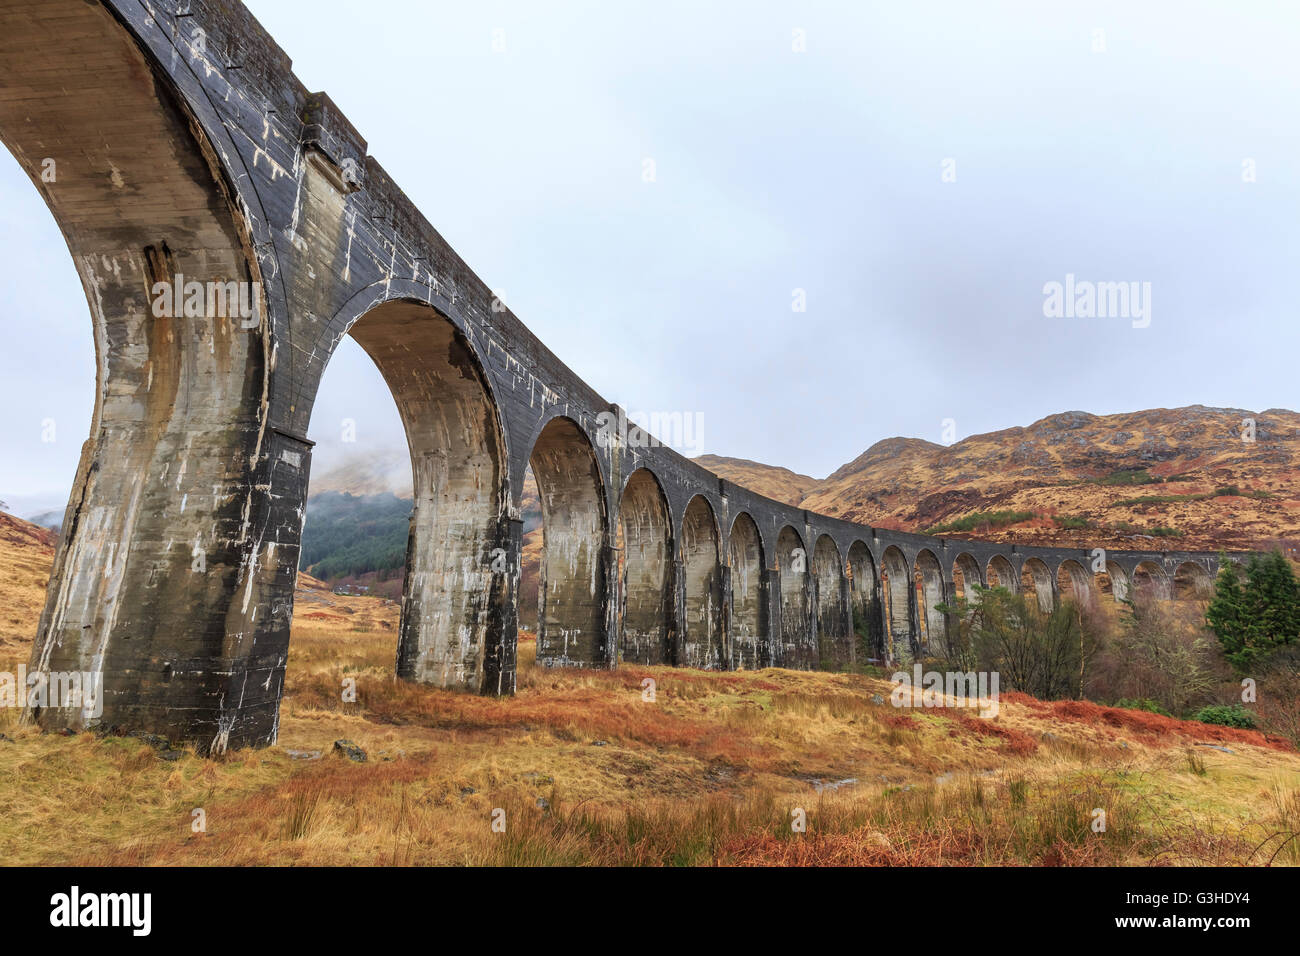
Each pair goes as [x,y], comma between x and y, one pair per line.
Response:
[662,591]
[914,595]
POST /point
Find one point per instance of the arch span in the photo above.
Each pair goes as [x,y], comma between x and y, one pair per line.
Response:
[1112,579]
[966,584]
[701,561]
[834,647]
[1151,582]
[1075,584]
[897,593]
[1192,582]
[1036,579]
[864,604]
[928,576]
[748,596]
[796,648]
[1000,574]
[461,562]
[966,576]
[646,574]
[572,594]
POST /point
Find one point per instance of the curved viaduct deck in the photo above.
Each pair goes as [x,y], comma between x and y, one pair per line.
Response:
[170,138]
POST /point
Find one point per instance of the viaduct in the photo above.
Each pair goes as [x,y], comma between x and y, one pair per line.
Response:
[171,139]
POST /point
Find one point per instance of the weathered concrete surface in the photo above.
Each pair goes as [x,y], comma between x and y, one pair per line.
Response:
[750,640]
[645,544]
[454,588]
[574,604]
[184,144]
[704,645]
[834,624]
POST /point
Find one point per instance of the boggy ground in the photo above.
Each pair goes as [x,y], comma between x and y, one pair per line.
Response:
[581,768]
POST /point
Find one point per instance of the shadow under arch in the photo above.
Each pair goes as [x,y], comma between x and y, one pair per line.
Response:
[749,643]
[1000,574]
[1110,578]
[966,577]
[928,575]
[458,626]
[796,648]
[897,594]
[1149,581]
[1075,584]
[703,643]
[645,548]
[175,477]
[864,603]
[1192,582]
[573,606]
[967,582]
[1036,579]
[834,644]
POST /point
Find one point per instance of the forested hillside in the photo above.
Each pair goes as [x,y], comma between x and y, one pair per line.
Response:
[349,536]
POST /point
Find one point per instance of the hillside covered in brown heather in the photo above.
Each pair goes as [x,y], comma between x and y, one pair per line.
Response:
[26,554]
[779,484]
[1178,478]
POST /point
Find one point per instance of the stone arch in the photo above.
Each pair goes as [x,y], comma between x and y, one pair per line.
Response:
[1035,579]
[460,558]
[1192,582]
[966,576]
[1112,579]
[1150,581]
[834,647]
[702,644]
[896,595]
[1073,583]
[864,603]
[646,571]
[1000,574]
[796,623]
[572,604]
[927,574]
[174,477]
[748,608]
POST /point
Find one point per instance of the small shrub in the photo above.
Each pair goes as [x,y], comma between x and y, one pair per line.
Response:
[1150,706]
[1233,715]
[1072,522]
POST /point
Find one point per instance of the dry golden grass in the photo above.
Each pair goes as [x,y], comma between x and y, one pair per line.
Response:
[586,771]
[26,554]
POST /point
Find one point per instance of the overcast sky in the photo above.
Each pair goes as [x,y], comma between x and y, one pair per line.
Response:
[921,171]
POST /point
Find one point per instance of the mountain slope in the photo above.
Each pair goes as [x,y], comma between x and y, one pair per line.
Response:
[1180,478]
[780,484]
